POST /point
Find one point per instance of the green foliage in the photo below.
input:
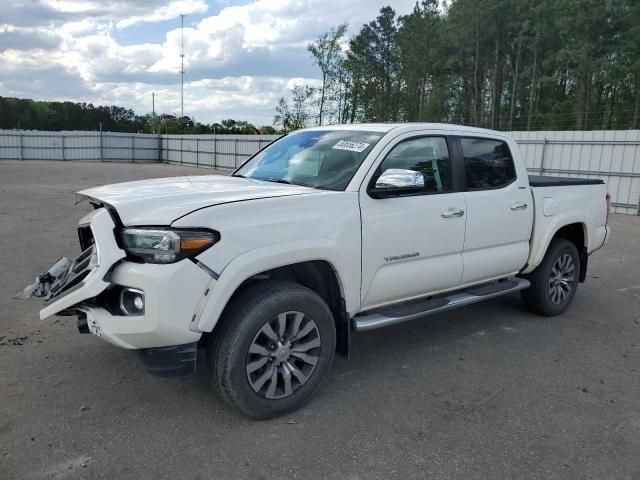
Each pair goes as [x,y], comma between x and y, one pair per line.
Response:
[327,54]
[502,64]
[294,115]
[29,114]
[374,59]
[419,59]
[267,130]
[37,115]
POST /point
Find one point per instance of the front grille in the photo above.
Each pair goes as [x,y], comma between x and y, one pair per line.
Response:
[83,261]
[85,235]
[72,278]
[72,282]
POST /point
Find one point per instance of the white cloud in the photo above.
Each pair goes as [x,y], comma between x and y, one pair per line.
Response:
[238,61]
[126,12]
[82,27]
[167,12]
[27,38]
[71,6]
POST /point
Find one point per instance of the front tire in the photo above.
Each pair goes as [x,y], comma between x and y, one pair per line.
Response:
[555,281]
[273,348]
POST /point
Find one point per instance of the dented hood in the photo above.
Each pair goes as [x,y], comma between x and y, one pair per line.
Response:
[162,201]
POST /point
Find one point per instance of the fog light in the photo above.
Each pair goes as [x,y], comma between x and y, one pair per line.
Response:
[138,302]
[132,301]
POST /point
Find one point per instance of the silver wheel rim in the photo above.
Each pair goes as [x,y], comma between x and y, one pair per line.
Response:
[283,355]
[561,279]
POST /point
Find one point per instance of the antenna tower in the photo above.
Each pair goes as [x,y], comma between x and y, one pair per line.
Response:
[181,66]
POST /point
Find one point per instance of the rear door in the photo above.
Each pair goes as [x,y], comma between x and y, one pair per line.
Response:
[499,210]
[412,244]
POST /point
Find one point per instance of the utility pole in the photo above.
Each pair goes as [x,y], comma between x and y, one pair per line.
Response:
[181,66]
[101,147]
[153,111]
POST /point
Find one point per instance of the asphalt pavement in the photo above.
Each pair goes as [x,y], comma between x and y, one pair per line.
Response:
[490,391]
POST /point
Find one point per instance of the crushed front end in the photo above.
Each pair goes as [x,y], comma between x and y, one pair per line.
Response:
[125,301]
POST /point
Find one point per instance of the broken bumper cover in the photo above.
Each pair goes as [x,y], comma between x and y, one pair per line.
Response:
[173,293]
[55,275]
[68,283]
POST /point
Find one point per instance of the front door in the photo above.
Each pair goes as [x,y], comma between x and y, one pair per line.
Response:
[412,245]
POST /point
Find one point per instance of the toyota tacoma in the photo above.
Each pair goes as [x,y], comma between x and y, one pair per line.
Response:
[327,231]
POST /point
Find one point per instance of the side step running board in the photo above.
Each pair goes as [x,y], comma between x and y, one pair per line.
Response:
[383,317]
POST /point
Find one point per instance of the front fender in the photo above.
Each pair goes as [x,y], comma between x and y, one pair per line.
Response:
[273,256]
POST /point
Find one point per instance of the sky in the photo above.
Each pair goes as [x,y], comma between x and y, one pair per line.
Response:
[240,56]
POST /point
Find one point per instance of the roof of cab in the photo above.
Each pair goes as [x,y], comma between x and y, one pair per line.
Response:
[387,127]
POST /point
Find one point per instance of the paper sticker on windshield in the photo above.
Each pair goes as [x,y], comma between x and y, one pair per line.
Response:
[351,146]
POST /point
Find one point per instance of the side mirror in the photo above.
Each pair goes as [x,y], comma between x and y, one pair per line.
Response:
[397,181]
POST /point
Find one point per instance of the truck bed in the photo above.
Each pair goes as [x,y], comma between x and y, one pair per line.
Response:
[542,181]
[571,201]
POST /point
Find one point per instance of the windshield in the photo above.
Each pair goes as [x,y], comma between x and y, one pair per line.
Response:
[319,159]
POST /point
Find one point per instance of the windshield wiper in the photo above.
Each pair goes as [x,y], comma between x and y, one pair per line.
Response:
[277,180]
[299,184]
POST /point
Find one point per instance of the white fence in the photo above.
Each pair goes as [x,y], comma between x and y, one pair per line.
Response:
[613,156]
[91,146]
[214,151]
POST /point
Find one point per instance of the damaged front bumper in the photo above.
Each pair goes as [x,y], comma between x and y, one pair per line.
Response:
[89,287]
[56,276]
[68,283]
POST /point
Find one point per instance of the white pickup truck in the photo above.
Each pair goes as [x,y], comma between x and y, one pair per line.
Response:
[326,231]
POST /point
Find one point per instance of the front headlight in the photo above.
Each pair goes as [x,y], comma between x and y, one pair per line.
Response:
[166,245]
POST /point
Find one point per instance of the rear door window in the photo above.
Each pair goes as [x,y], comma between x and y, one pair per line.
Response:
[488,163]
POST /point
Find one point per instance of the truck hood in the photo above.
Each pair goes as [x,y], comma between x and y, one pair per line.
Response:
[161,201]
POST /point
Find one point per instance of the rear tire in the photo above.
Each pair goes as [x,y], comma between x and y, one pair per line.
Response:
[555,281]
[272,349]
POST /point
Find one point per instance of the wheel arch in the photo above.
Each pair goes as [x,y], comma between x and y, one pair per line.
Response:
[319,276]
[573,230]
[576,233]
[324,273]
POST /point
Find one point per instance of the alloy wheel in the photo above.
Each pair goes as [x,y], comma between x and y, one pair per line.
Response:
[561,279]
[283,355]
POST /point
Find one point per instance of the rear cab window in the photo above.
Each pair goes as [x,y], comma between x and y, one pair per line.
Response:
[488,163]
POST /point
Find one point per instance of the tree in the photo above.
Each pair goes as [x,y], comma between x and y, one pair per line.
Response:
[297,115]
[418,58]
[327,54]
[267,130]
[630,58]
[29,114]
[373,60]
[502,64]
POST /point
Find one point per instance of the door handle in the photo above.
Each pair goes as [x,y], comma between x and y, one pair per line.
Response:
[519,206]
[452,213]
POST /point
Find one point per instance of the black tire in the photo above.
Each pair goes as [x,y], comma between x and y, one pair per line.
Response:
[539,298]
[241,324]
